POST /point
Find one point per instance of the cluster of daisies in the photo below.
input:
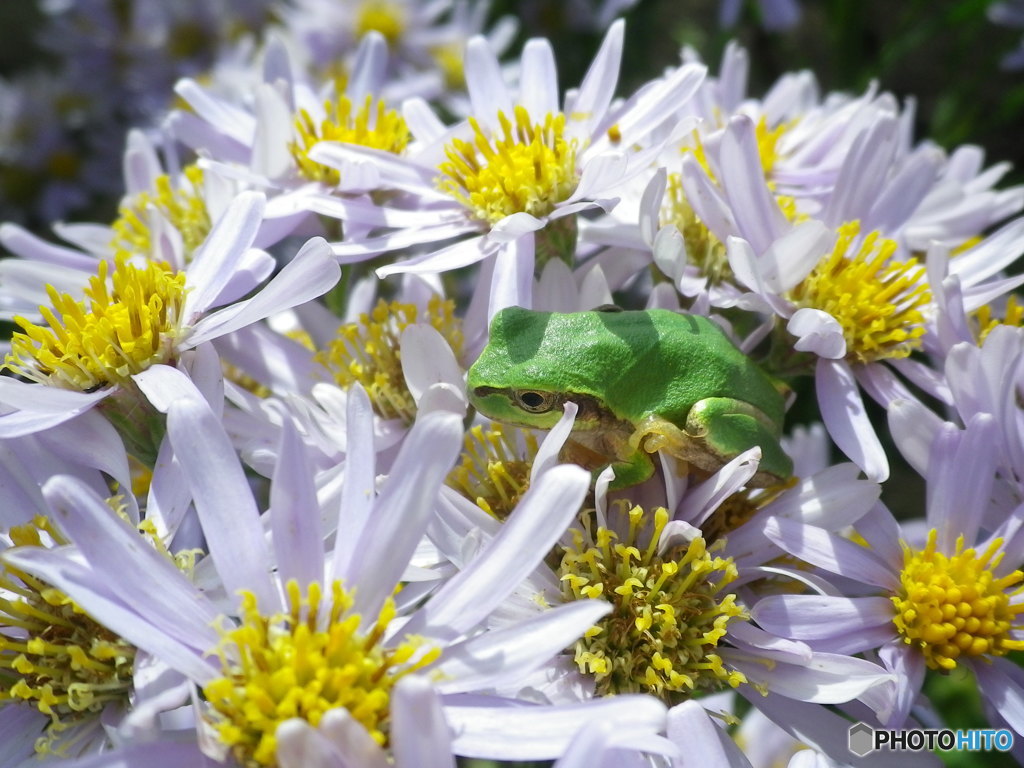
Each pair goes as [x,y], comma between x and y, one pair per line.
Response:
[247,516]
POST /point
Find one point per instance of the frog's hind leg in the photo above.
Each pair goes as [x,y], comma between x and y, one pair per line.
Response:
[717,429]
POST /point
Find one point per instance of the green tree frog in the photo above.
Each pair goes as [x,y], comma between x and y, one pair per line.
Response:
[644,381]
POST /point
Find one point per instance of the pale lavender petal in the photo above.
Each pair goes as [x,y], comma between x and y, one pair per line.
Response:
[843,412]
[541,517]
[119,555]
[419,732]
[223,500]
[598,86]
[707,201]
[352,741]
[826,731]
[829,678]
[309,275]
[758,217]
[81,586]
[91,441]
[831,499]
[160,754]
[41,407]
[701,742]
[496,731]
[864,169]
[357,494]
[883,534]
[904,193]
[512,279]
[907,663]
[955,507]
[913,428]
[295,513]
[502,656]
[538,79]
[369,68]
[704,499]
[791,257]
[818,332]
[270,155]
[403,509]
[925,377]
[300,745]
[648,109]
[1002,683]
[515,226]
[881,385]
[819,617]
[23,243]
[461,254]
[215,260]
[422,122]
[484,82]
[396,171]
[833,553]
[229,119]
[20,726]
[364,211]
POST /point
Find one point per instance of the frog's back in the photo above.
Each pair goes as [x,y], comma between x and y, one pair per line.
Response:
[636,362]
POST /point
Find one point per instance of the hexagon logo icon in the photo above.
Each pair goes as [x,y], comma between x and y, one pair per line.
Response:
[861,739]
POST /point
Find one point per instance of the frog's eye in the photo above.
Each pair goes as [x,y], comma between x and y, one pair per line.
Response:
[534,401]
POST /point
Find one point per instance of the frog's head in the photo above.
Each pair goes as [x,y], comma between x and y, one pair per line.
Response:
[510,382]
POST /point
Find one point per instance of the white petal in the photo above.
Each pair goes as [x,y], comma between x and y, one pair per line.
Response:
[309,275]
[294,512]
[497,732]
[842,410]
[223,500]
[818,332]
[540,519]
[215,260]
[504,656]
[419,732]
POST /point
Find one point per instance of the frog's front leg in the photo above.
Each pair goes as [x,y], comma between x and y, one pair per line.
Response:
[717,430]
[631,466]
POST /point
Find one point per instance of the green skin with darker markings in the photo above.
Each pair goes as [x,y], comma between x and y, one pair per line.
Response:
[643,380]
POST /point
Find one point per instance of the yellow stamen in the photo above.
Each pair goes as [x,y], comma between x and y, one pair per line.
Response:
[131,323]
[494,470]
[372,125]
[183,207]
[668,614]
[526,168]
[877,301]
[986,319]
[304,663]
[955,606]
[369,352]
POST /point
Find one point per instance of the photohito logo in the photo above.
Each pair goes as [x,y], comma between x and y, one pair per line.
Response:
[863,739]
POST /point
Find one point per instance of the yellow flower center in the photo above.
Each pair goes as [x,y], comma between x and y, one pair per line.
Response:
[53,656]
[876,301]
[372,125]
[369,352]
[494,469]
[302,664]
[448,59]
[953,606]
[381,16]
[526,168]
[183,207]
[130,324]
[668,616]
